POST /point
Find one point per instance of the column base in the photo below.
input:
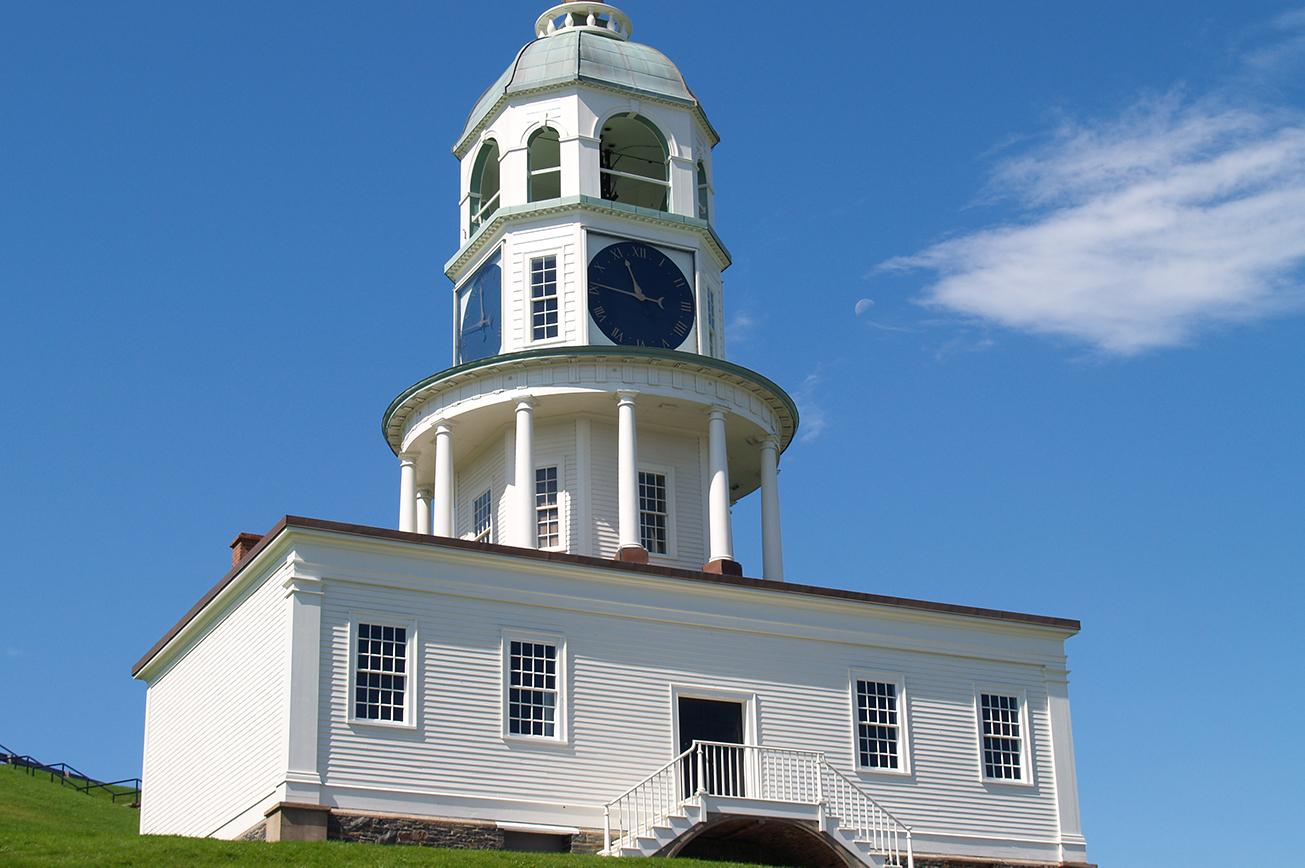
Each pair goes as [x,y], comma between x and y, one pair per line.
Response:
[632,555]
[723,567]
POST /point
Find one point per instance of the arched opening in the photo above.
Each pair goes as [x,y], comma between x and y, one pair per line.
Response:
[484,185]
[704,192]
[633,163]
[544,165]
[762,840]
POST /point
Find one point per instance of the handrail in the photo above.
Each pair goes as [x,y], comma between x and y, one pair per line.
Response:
[69,775]
[777,774]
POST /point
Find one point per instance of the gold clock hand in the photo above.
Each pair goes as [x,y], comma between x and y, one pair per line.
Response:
[638,290]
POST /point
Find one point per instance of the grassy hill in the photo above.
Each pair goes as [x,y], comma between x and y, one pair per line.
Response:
[42,823]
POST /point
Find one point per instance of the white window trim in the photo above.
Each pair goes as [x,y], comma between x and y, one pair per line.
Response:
[669,473]
[897,679]
[696,691]
[563,504]
[413,674]
[561,728]
[1027,766]
[486,535]
[528,320]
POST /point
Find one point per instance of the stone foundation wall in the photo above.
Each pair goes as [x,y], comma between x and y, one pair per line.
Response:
[256,833]
[589,841]
[379,829]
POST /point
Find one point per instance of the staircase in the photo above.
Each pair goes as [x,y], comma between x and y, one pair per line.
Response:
[718,778]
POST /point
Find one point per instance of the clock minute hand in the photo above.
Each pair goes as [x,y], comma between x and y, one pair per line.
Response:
[635,295]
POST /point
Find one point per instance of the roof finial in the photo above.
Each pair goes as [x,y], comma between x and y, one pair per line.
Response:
[601,18]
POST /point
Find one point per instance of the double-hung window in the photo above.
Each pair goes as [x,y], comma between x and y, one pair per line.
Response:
[1001,733]
[534,688]
[381,673]
[482,510]
[654,513]
[543,298]
[548,509]
[879,704]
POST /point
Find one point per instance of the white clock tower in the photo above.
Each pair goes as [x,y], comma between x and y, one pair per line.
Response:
[590,408]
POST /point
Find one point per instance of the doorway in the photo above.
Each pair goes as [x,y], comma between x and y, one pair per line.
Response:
[721,766]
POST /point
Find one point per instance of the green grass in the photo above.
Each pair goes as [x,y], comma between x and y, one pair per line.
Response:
[42,823]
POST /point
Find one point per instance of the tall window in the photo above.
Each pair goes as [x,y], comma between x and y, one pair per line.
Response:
[544,164]
[381,673]
[483,201]
[483,517]
[532,690]
[653,512]
[543,297]
[632,163]
[548,514]
[1003,739]
[704,192]
[878,726]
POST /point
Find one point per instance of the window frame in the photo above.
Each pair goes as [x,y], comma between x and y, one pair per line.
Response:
[486,535]
[412,666]
[528,270]
[669,472]
[1027,767]
[532,174]
[559,462]
[561,729]
[898,680]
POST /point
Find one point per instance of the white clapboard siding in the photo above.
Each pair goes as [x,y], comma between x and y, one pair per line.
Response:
[216,723]
[482,471]
[622,670]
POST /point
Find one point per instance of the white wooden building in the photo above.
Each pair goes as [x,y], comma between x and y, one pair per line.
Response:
[556,649]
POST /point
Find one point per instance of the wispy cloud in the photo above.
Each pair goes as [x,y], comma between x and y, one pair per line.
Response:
[814,420]
[1138,232]
[741,327]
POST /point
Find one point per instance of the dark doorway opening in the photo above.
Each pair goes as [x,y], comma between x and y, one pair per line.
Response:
[720,768]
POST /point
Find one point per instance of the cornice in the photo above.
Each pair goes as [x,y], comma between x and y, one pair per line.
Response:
[395,415]
[490,232]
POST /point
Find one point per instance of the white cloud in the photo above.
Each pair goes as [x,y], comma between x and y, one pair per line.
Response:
[812,418]
[1137,233]
[740,327]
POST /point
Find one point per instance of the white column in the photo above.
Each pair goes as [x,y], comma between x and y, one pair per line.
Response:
[423,510]
[627,476]
[443,506]
[303,782]
[772,548]
[718,494]
[408,492]
[523,530]
[1073,847]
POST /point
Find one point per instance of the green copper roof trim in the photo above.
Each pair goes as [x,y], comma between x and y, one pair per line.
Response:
[487,230]
[591,352]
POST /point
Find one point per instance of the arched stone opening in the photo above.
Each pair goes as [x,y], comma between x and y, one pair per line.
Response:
[763,840]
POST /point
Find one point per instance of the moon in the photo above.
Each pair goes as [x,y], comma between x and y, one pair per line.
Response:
[864,305]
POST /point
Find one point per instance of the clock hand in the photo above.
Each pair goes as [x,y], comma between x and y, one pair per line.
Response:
[638,291]
[637,295]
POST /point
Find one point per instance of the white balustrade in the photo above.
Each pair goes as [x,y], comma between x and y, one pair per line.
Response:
[718,770]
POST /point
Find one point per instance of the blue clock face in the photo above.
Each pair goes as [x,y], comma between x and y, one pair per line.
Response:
[638,296]
[480,334]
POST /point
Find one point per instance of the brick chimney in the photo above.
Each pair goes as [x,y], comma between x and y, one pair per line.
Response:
[242,545]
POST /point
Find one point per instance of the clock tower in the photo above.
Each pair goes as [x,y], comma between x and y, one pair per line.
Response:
[590,408]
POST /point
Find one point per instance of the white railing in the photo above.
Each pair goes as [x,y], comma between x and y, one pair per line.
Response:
[748,771]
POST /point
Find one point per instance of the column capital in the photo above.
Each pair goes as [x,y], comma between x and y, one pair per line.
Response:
[626,396]
[425,493]
[770,442]
[525,401]
[717,411]
[408,457]
[444,426]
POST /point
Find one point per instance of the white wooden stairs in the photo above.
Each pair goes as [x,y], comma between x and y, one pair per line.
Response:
[714,778]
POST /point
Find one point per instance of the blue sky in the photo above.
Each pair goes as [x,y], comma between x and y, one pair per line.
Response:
[1033,272]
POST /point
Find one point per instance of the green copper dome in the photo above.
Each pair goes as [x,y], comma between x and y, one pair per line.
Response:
[582,55]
